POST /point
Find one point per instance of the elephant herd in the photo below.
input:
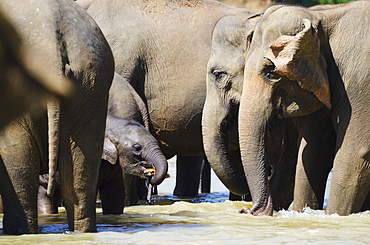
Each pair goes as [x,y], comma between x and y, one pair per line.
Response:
[273,101]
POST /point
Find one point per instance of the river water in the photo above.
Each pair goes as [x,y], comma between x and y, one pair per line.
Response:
[208,219]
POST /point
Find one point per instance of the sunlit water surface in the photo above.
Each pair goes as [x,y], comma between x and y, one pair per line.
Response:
[208,219]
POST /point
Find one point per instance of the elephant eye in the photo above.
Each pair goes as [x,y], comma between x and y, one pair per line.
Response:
[137,149]
[271,75]
[220,77]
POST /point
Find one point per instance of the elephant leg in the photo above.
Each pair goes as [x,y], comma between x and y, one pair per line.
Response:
[350,182]
[141,188]
[112,195]
[19,187]
[79,192]
[188,170]
[14,220]
[44,203]
[1,204]
[284,166]
[131,191]
[79,162]
[366,205]
[56,200]
[205,177]
[315,160]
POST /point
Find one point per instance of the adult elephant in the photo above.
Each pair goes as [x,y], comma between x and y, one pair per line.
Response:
[230,43]
[299,63]
[72,46]
[162,49]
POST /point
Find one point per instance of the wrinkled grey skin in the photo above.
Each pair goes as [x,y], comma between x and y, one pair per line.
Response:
[162,49]
[224,86]
[124,102]
[123,138]
[24,83]
[81,53]
[298,63]
[133,146]
[45,203]
[230,42]
[130,145]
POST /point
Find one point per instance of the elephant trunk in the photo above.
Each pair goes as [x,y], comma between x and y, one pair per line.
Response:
[215,138]
[255,110]
[154,157]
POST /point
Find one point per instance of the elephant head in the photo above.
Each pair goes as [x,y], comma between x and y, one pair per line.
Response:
[136,150]
[224,85]
[285,76]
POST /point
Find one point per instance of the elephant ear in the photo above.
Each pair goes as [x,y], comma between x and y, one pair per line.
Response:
[299,59]
[109,151]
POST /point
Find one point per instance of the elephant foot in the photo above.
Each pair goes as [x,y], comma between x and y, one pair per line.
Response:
[84,225]
[245,210]
[259,209]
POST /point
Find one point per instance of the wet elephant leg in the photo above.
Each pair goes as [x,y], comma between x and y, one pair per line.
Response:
[284,164]
[44,203]
[112,195]
[188,169]
[14,220]
[141,188]
[205,177]
[366,205]
[315,160]
[1,204]
[56,200]
[131,191]
[79,189]
[19,192]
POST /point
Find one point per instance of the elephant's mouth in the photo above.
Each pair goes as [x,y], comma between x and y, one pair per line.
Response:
[149,172]
[145,170]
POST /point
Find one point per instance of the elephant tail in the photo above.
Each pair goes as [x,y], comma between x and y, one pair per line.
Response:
[53,108]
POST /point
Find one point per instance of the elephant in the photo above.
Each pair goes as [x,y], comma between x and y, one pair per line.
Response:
[224,81]
[128,147]
[162,49]
[24,83]
[72,46]
[128,143]
[124,102]
[224,87]
[48,204]
[299,63]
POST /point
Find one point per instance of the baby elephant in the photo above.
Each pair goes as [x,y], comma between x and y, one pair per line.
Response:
[130,145]
[129,148]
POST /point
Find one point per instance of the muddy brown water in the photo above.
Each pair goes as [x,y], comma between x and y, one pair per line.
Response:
[208,219]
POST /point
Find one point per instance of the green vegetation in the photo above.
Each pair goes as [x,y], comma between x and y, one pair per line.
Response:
[309,3]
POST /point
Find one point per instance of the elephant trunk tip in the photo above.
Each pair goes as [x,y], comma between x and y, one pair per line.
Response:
[159,176]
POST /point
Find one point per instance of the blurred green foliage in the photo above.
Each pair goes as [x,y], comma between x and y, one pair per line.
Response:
[309,3]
